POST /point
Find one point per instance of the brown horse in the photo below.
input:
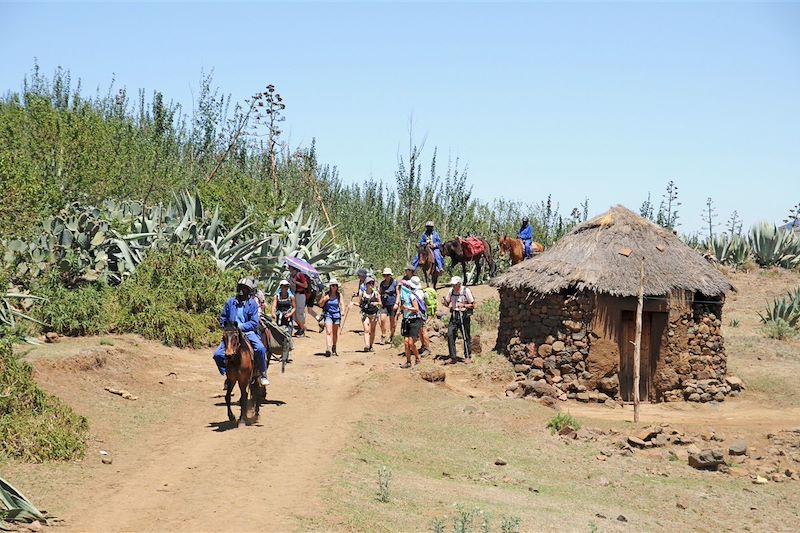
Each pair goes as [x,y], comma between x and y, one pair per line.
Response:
[515,249]
[239,368]
[454,249]
[427,262]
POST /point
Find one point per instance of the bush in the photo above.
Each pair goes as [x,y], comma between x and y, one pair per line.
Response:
[35,426]
[779,329]
[561,420]
[86,310]
[175,298]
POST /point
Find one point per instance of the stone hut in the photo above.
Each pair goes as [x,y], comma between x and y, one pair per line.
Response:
[568,316]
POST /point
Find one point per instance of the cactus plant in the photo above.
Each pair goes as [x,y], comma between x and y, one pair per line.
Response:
[786,309]
[774,247]
[88,244]
[733,251]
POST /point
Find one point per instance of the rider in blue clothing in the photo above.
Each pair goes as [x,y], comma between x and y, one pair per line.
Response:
[243,311]
[525,233]
[431,236]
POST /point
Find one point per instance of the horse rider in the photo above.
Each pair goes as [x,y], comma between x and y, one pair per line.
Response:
[242,310]
[525,234]
[430,237]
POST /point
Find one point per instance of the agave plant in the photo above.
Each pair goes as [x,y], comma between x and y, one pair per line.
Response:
[786,309]
[733,251]
[774,247]
[108,243]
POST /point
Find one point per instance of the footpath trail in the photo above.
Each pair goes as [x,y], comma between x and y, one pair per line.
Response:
[193,473]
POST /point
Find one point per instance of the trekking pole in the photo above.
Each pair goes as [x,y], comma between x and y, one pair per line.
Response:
[464,335]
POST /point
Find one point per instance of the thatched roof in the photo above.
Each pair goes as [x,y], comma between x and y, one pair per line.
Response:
[604,255]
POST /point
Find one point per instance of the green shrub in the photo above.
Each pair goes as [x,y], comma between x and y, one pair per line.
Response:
[86,310]
[35,426]
[779,329]
[561,420]
[175,298]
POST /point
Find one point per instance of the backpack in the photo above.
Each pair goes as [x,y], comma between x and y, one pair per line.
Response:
[315,288]
[423,310]
[430,300]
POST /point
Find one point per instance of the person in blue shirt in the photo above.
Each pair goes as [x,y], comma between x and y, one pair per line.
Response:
[525,234]
[243,311]
[431,236]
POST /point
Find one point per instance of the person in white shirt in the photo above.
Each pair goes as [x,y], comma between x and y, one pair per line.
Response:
[461,303]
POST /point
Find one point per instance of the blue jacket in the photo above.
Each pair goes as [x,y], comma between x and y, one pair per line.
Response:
[437,241]
[250,314]
[526,233]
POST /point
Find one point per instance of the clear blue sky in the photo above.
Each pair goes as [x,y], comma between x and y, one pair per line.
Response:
[608,101]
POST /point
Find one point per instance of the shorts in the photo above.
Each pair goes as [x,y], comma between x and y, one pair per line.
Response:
[411,328]
[330,321]
[387,310]
[372,316]
[300,307]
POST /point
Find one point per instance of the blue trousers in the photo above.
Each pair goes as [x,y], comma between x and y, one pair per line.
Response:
[258,350]
[439,260]
[527,244]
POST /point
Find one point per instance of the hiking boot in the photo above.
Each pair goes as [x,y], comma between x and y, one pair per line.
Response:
[262,379]
[334,351]
[327,353]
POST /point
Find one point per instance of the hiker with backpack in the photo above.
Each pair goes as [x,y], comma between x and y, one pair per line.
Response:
[460,301]
[299,284]
[331,304]
[370,303]
[412,321]
[388,312]
[423,330]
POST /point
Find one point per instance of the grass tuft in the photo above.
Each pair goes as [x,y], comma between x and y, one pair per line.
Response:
[561,420]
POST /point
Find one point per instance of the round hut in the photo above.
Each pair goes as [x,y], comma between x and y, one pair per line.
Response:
[568,316]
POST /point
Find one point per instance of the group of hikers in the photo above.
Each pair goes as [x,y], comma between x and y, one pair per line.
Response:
[382,305]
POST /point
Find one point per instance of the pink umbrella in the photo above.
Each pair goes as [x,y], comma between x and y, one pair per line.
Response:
[303,266]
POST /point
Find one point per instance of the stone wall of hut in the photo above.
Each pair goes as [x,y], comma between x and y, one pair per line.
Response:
[559,349]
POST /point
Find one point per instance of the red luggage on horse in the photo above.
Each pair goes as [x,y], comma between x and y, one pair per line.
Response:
[472,246]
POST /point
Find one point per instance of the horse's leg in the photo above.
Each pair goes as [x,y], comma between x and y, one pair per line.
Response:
[255,394]
[477,270]
[243,384]
[229,385]
[464,270]
[435,278]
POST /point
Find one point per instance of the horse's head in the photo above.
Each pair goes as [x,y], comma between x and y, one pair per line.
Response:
[505,245]
[231,338]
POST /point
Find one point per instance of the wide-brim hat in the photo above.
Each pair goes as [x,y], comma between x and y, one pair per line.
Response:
[283,282]
[455,280]
[388,272]
[333,281]
[410,267]
[414,284]
[429,224]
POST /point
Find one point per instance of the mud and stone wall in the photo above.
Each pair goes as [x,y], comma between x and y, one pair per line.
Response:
[566,346]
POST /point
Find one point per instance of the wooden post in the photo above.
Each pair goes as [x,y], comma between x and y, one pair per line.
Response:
[637,347]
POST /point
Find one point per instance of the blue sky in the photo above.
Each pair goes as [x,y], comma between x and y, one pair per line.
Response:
[606,101]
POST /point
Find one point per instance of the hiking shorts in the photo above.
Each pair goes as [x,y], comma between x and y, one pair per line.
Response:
[331,321]
[411,328]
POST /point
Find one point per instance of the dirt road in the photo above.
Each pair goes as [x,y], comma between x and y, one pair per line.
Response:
[185,467]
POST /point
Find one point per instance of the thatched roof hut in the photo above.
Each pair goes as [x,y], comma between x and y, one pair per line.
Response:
[604,254]
[567,317]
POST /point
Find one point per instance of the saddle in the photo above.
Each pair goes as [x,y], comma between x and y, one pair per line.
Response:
[472,246]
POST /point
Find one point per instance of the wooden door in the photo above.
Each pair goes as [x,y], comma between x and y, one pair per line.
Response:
[653,325]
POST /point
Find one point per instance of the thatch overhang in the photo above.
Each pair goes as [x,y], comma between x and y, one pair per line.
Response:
[604,255]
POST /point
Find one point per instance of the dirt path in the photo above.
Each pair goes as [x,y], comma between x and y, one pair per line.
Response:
[188,474]
[190,466]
